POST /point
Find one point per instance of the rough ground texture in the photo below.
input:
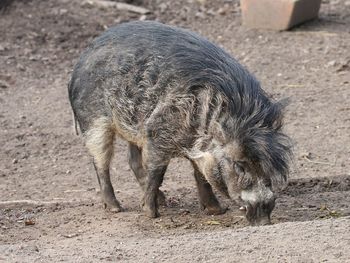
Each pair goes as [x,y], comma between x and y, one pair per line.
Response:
[50,209]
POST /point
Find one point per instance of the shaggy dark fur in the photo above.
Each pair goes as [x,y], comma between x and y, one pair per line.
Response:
[173,93]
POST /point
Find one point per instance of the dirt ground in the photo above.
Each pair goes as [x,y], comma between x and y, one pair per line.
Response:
[50,208]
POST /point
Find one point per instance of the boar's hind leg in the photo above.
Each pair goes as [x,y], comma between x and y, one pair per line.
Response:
[207,199]
[135,162]
[99,141]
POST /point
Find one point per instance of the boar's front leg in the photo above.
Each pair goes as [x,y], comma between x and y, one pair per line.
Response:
[155,164]
[135,162]
[207,199]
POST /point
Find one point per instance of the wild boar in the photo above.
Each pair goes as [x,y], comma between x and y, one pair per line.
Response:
[171,93]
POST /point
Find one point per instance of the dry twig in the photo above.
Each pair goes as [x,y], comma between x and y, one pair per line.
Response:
[27,202]
[118,5]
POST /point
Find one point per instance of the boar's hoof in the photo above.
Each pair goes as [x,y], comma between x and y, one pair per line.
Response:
[151,213]
[113,207]
[215,210]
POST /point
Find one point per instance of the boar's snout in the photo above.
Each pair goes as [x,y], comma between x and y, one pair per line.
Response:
[259,213]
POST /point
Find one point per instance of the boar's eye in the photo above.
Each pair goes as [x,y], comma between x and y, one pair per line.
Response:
[267,183]
[239,169]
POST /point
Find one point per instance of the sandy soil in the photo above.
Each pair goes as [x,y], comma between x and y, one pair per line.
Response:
[49,205]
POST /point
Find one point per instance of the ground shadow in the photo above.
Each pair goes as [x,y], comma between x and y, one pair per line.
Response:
[302,200]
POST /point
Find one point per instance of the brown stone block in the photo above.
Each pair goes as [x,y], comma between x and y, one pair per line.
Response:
[278,14]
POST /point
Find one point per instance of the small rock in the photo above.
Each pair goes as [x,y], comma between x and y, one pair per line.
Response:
[143,18]
[63,11]
[21,67]
[70,235]
[117,20]
[3,84]
[163,7]
[307,155]
[222,11]
[200,15]
[14,161]
[331,63]
[33,58]
[184,212]
[211,12]
[29,222]
[344,66]
[212,222]
[87,4]
[35,248]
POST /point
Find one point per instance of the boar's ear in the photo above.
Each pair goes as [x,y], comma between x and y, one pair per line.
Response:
[204,161]
[284,103]
[280,108]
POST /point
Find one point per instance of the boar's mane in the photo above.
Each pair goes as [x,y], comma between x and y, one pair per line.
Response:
[255,119]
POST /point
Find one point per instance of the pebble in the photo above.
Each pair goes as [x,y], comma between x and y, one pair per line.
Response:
[63,11]
[162,7]
[200,15]
[222,11]
[143,18]
[3,84]
[331,63]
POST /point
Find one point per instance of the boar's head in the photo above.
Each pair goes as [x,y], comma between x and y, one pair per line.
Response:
[245,157]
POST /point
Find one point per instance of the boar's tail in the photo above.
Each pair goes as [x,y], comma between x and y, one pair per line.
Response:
[75,122]
[76,125]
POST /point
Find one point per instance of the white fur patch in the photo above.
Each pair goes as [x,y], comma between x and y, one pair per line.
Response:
[99,141]
[250,196]
[256,195]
